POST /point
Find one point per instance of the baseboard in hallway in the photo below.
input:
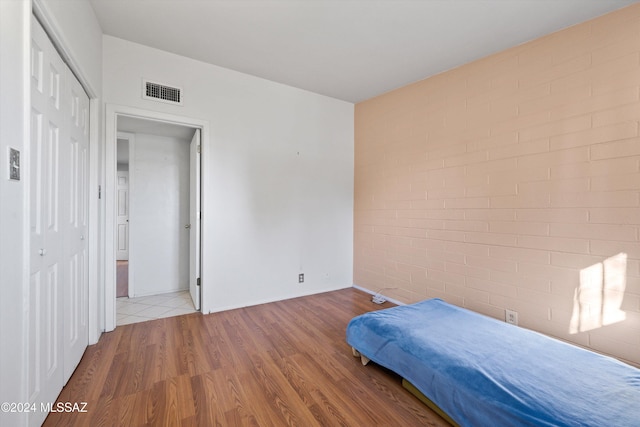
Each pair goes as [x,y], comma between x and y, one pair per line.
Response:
[141,309]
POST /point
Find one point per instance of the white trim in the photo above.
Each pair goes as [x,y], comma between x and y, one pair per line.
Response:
[96,206]
[280,298]
[26,203]
[51,25]
[131,138]
[395,301]
[110,168]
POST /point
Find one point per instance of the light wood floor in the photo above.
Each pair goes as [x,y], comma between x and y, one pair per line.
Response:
[279,364]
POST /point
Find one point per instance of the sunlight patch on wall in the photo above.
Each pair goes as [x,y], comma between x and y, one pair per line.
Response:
[598,299]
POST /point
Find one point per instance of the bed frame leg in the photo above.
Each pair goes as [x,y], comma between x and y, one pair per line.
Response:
[363,359]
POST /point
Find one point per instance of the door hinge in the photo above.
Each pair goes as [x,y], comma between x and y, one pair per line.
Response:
[99,191]
[198,281]
[198,149]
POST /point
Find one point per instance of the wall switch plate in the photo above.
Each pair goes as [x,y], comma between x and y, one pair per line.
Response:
[511,317]
[301,278]
[14,164]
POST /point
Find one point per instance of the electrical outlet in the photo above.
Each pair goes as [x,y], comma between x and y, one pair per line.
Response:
[378,299]
[301,278]
[511,317]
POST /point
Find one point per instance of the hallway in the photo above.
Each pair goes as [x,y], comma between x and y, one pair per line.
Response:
[141,309]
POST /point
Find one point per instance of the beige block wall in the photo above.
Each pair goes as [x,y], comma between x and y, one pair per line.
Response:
[513,182]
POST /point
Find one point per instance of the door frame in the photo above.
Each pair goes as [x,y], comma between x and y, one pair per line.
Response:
[131,139]
[111,133]
[195,210]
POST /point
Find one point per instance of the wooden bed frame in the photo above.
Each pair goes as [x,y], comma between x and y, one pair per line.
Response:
[412,389]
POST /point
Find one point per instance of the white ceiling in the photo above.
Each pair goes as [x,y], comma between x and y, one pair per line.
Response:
[347,49]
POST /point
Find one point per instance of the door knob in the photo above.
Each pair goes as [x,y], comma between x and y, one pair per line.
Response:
[187,226]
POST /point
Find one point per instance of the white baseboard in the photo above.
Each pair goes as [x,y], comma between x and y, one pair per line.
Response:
[369,291]
[275,299]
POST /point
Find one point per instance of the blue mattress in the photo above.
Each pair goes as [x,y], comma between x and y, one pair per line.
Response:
[483,372]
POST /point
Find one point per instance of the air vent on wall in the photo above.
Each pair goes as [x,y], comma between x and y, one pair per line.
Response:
[161,92]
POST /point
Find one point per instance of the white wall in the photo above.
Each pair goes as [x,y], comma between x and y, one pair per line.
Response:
[277,175]
[14,116]
[159,197]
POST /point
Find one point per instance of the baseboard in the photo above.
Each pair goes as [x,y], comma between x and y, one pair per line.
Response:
[162,292]
[395,301]
[274,299]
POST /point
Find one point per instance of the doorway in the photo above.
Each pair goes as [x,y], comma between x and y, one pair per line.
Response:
[154,235]
[124,142]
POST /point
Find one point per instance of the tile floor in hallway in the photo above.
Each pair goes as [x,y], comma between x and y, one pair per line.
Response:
[141,309]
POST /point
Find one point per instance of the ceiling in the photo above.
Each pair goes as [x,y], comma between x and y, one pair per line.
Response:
[347,49]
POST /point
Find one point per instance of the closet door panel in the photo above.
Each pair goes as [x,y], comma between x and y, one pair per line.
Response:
[76,300]
[46,173]
[57,308]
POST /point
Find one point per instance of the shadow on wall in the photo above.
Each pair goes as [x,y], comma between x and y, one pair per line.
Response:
[598,299]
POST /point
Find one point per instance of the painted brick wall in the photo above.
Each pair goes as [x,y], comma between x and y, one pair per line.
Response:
[513,182]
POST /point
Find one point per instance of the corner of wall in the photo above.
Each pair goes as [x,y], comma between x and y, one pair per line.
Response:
[15,18]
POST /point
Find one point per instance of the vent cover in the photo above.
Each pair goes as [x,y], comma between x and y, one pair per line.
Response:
[160,92]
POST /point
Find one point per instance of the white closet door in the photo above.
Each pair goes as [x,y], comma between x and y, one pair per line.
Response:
[76,299]
[58,291]
[48,150]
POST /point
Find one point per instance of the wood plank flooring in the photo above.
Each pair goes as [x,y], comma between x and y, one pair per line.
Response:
[279,364]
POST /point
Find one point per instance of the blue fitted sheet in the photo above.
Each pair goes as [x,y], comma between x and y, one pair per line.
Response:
[483,372]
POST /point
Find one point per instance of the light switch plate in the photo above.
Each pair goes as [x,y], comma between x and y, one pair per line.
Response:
[14,164]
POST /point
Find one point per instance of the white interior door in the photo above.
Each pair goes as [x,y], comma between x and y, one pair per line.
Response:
[45,376]
[76,257]
[122,249]
[194,218]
